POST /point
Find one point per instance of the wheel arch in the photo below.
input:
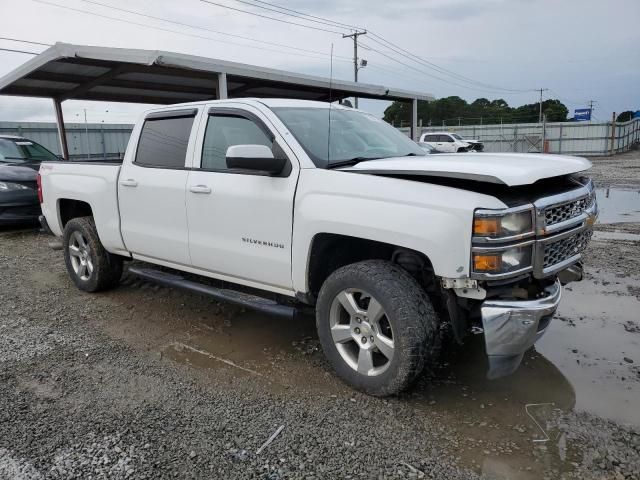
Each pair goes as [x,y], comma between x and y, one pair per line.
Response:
[69,208]
[330,251]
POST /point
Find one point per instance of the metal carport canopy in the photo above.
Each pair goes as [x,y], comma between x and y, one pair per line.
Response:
[65,71]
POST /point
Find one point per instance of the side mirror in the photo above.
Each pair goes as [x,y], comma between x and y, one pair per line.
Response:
[257,158]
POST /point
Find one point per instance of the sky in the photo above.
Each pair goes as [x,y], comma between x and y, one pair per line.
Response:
[579,50]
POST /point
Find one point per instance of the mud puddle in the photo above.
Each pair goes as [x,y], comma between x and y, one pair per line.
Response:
[618,205]
[595,343]
[280,351]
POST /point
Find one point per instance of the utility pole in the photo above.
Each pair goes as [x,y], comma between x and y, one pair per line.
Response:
[356,67]
[540,113]
[591,102]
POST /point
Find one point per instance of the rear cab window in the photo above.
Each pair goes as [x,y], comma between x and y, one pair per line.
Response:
[164,139]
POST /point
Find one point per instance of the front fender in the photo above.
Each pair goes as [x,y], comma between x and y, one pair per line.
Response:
[432,219]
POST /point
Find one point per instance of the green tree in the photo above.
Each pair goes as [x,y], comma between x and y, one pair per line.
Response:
[481,110]
[625,116]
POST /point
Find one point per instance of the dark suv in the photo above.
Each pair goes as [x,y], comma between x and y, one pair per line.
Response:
[19,163]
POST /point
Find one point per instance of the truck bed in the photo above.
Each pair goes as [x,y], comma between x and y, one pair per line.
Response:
[94,183]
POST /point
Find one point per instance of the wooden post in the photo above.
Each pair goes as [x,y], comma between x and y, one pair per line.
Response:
[613,131]
[62,132]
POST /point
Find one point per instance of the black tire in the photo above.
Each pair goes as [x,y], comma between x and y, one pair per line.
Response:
[409,312]
[106,267]
[462,150]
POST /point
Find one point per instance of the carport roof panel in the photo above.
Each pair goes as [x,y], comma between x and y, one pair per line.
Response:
[66,71]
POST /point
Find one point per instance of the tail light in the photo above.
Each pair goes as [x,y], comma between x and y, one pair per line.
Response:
[39,183]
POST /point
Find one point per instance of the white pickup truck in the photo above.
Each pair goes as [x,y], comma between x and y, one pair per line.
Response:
[291,202]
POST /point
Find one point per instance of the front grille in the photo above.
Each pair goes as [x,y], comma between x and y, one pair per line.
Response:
[565,211]
[566,248]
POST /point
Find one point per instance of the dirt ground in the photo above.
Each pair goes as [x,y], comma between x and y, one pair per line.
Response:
[148,382]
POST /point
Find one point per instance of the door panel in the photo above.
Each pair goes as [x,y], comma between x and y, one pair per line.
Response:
[242,226]
[151,188]
[153,214]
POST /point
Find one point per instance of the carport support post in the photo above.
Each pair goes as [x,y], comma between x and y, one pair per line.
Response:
[222,86]
[62,133]
[414,119]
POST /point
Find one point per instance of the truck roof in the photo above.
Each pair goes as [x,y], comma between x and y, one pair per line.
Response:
[269,102]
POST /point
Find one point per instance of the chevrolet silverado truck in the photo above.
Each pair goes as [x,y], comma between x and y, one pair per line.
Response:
[274,203]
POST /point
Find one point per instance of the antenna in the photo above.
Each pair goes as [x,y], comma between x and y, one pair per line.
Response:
[330,100]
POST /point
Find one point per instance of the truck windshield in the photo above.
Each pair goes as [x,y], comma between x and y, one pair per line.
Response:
[21,150]
[355,136]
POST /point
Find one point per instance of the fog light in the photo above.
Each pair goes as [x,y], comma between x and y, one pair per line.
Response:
[503,260]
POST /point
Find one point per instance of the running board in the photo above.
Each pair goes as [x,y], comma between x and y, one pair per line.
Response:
[246,300]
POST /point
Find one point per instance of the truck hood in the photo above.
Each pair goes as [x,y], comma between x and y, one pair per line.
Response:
[502,168]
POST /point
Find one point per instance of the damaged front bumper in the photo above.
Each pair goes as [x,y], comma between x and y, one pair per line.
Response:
[512,326]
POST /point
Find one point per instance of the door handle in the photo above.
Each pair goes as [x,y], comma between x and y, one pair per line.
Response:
[199,189]
[129,182]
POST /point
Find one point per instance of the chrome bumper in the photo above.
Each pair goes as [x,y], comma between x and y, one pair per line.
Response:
[511,327]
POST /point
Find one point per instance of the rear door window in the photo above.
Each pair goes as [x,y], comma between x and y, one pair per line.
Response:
[163,141]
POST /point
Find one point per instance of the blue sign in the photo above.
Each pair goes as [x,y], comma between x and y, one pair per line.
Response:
[582,114]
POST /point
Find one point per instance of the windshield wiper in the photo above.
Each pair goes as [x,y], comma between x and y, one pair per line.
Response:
[351,161]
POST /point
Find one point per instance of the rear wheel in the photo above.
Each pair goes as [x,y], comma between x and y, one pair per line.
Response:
[376,326]
[90,266]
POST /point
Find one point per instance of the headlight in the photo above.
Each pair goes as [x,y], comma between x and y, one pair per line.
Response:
[5,186]
[495,224]
[591,200]
[502,261]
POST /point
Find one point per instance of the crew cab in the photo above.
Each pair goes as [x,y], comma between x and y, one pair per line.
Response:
[450,142]
[292,202]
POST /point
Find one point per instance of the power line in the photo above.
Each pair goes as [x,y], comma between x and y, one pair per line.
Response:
[405,53]
[379,39]
[18,51]
[25,41]
[193,35]
[346,25]
[271,18]
[447,81]
[297,15]
[317,52]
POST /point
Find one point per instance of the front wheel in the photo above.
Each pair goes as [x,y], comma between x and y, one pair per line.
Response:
[90,266]
[376,326]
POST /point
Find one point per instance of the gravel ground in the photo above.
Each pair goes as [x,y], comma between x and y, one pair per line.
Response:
[77,403]
[622,169]
[147,382]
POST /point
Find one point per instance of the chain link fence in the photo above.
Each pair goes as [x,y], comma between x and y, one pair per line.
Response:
[570,138]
